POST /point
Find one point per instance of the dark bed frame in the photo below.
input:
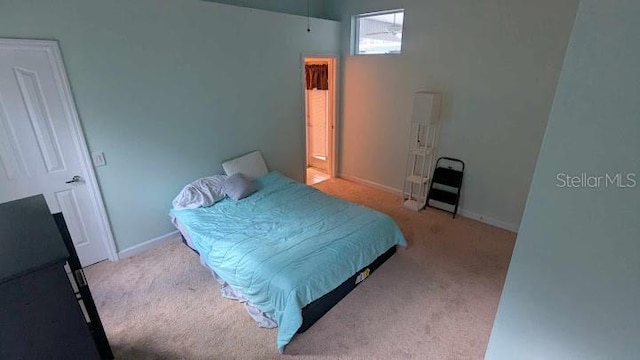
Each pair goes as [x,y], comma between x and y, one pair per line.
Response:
[315,310]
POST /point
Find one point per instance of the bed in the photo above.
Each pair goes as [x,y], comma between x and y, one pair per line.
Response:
[289,249]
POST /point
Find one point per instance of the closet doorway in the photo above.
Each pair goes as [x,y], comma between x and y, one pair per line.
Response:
[320,116]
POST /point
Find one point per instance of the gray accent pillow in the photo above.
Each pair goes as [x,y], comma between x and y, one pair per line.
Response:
[238,186]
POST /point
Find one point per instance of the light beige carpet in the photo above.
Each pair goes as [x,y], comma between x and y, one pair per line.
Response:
[435,300]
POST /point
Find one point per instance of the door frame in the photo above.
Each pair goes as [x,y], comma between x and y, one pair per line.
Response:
[333,149]
[52,49]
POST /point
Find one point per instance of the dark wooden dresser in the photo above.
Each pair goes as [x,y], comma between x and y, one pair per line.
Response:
[40,317]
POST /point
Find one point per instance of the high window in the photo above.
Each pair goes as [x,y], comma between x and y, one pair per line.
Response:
[378,33]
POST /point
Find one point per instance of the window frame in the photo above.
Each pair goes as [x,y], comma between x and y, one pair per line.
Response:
[355,31]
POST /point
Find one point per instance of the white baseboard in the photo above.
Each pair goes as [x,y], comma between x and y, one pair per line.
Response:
[149,244]
[373,184]
[489,220]
[462,212]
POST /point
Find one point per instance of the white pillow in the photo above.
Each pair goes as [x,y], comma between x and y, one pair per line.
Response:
[203,192]
[251,165]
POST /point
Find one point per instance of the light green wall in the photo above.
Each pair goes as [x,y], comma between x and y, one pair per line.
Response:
[573,287]
[496,62]
[316,8]
[169,89]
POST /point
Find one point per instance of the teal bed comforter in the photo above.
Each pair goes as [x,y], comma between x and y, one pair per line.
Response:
[287,245]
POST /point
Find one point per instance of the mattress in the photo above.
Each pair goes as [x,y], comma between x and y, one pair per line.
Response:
[287,245]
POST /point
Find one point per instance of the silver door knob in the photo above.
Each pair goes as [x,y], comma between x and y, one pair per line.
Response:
[74,179]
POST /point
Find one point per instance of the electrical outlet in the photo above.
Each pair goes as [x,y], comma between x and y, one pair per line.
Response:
[98,159]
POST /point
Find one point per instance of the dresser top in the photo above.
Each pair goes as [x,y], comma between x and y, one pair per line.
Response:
[29,237]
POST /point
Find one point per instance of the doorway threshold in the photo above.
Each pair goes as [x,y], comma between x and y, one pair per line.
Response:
[315,175]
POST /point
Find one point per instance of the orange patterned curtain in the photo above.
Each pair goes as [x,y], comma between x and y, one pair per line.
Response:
[317,77]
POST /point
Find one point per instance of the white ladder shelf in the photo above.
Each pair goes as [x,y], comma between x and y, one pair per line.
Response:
[422,142]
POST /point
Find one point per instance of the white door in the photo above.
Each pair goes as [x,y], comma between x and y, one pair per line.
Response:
[317,128]
[39,148]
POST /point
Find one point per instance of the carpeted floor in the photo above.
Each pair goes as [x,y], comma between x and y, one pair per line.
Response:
[435,300]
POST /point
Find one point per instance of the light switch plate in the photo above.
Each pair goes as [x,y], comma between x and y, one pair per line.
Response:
[98,159]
